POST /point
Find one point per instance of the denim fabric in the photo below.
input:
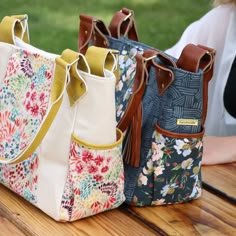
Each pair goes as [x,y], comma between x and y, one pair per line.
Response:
[182,100]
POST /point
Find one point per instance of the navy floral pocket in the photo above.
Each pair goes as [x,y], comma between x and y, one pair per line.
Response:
[172,173]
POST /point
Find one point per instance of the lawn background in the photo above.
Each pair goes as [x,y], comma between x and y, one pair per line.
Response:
[54,24]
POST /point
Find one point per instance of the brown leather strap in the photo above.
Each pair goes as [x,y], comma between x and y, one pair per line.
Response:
[132,118]
[136,133]
[164,75]
[137,93]
[164,79]
[123,23]
[127,145]
[131,121]
[92,30]
[193,58]
[132,144]
[208,73]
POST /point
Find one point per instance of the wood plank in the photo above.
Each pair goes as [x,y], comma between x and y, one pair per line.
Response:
[209,215]
[7,228]
[221,179]
[32,221]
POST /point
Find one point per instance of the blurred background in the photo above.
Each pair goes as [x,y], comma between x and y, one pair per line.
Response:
[54,24]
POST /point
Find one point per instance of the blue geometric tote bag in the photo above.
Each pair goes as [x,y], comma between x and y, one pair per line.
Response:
[161,105]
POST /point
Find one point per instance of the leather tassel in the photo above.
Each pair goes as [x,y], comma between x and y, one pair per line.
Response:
[136,137]
[132,142]
[127,146]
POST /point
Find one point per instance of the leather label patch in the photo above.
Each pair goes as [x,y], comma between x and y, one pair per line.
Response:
[191,122]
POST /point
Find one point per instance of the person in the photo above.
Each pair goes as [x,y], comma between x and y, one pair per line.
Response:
[217,29]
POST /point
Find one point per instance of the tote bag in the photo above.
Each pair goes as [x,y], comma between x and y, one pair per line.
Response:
[57,150]
[161,105]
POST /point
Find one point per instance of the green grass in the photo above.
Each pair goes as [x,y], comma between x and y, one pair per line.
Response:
[54,24]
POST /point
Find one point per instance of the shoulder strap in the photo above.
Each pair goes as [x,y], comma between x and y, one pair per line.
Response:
[56,100]
[76,86]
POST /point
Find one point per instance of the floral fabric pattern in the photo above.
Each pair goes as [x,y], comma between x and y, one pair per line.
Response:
[95,182]
[22,178]
[24,99]
[127,65]
[172,173]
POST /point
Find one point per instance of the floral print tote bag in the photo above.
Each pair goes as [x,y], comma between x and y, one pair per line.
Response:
[57,150]
[161,105]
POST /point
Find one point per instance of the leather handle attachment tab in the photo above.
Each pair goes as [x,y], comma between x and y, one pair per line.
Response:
[123,23]
[12,26]
[92,30]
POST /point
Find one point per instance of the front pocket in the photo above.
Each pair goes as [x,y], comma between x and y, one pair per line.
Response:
[95,180]
[172,173]
[176,166]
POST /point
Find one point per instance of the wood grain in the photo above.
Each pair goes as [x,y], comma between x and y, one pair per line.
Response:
[221,179]
[210,215]
[32,221]
[7,228]
[213,214]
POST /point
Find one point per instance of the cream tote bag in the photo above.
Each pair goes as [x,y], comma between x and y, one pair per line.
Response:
[59,145]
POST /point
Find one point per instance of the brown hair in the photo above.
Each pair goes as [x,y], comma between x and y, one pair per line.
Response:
[218,2]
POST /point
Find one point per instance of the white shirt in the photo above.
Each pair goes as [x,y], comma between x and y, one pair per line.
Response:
[216,29]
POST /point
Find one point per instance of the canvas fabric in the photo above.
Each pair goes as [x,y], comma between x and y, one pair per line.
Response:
[167,167]
[70,173]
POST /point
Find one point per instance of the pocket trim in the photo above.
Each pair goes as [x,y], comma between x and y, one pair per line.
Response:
[119,137]
[179,135]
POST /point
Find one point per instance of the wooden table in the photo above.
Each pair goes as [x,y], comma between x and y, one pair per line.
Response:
[212,215]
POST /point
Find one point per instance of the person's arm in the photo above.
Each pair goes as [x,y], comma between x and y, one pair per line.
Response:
[219,150]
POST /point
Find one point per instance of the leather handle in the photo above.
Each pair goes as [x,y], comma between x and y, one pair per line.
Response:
[105,59]
[76,86]
[100,59]
[123,23]
[12,26]
[93,31]
[207,65]
[164,75]
[165,78]
[193,58]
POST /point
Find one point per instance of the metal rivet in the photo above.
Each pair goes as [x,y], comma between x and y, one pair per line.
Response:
[170,74]
[162,85]
[86,32]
